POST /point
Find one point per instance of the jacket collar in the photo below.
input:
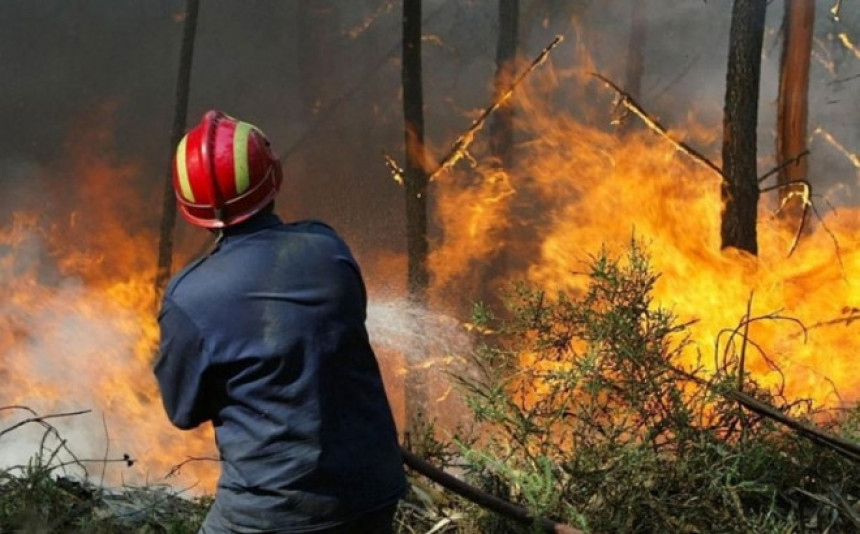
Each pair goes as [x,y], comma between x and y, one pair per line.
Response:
[254,224]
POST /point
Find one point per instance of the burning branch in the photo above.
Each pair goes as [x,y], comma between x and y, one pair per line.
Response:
[460,147]
[362,26]
[853,158]
[837,7]
[804,192]
[844,447]
[654,125]
[850,313]
[746,340]
[841,446]
[846,42]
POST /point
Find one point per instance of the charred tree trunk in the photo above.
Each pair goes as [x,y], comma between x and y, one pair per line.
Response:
[501,139]
[180,117]
[502,127]
[739,189]
[415,170]
[792,104]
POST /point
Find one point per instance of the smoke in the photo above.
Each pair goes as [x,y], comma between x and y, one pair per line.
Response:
[332,115]
[62,344]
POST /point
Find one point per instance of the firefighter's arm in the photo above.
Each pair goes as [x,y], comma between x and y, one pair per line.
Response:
[182,368]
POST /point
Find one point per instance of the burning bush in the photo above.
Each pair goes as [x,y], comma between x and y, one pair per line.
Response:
[585,412]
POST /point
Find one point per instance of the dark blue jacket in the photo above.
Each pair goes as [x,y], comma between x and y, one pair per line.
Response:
[265,337]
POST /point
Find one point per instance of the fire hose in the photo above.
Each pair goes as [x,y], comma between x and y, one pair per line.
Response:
[519,514]
[482,498]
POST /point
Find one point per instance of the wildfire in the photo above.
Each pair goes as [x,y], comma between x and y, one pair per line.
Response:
[78,328]
[578,187]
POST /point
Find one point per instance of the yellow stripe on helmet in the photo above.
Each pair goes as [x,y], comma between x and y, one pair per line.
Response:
[240,156]
[182,169]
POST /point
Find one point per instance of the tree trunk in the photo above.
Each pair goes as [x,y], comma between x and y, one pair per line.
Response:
[415,170]
[791,128]
[317,60]
[502,127]
[635,59]
[180,117]
[739,189]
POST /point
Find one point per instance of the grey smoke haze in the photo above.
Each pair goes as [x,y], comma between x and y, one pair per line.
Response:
[64,59]
[324,84]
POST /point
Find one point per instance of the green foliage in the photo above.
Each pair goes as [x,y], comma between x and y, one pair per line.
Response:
[587,413]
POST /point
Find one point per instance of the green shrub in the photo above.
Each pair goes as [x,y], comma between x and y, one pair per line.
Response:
[586,413]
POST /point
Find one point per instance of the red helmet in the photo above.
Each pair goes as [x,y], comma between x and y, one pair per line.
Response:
[224,172]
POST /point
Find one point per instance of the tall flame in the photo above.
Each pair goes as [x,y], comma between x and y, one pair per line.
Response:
[578,187]
[77,317]
[78,328]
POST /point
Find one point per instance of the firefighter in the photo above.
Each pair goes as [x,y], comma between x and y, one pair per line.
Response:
[265,337]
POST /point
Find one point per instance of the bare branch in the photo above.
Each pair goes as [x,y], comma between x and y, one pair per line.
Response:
[178,467]
[846,42]
[460,147]
[841,446]
[836,9]
[832,236]
[783,165]
[628,102]
[746,337]
[853,158]
[40,419]
[843,80]
[805,194]
[397,172]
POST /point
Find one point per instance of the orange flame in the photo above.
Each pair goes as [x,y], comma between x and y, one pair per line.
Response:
[578,187]
[78,328]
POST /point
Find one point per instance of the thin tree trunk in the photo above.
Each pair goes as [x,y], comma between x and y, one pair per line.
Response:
[501,138]
[635,59]
[740,190]
[317,59]
[792,104]
[502,127]
[415,169]
[180,116]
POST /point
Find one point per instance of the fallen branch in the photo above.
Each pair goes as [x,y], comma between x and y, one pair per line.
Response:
[841,446]
[654,125]
[484,499]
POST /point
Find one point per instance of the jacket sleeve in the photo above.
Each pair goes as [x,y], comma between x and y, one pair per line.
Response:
[181,369]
